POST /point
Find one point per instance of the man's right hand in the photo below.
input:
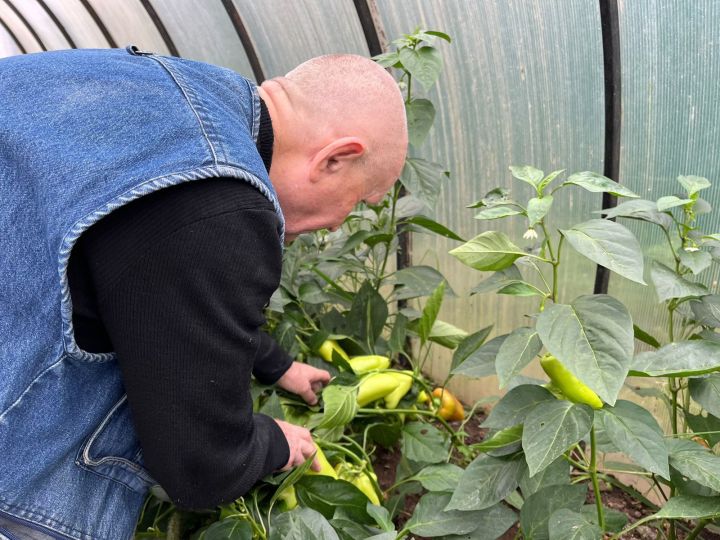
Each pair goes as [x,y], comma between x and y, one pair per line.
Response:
[301,445]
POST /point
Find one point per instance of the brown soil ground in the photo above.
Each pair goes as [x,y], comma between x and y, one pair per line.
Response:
[386,461]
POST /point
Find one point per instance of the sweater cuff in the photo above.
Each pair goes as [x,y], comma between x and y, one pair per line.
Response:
[278,451]
[271,361]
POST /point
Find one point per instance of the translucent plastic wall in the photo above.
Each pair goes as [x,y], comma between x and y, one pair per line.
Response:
[671,118]
[523,84]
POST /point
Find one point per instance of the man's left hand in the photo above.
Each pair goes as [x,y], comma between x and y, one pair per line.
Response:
[304,380]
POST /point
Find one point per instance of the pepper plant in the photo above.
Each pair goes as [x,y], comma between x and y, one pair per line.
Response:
[547,439]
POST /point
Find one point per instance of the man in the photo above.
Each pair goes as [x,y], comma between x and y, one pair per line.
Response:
[143,204]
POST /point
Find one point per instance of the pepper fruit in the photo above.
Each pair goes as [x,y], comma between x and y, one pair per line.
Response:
[327,348]
[325,468]
[288,498]
[450,407]
[573,389]
[404,382]
[360,479]
[375,386]
[422,397]
[363,364]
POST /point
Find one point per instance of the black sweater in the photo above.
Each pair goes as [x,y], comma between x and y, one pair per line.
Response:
[176,283]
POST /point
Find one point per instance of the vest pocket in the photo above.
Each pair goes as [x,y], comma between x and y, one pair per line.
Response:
[113,451]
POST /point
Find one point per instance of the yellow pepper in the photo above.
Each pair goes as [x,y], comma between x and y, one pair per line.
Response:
[287,496]
[325,468]
[375,386]
[404,382]
[363,364]
[327,348]
[360,479]
[571,387]
[450,407]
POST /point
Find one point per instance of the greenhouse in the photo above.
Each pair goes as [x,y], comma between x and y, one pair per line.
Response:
[359,270]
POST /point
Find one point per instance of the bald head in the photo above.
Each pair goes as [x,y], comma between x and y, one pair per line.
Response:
[341,109]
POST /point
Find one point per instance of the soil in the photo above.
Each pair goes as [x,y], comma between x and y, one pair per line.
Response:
[386,460]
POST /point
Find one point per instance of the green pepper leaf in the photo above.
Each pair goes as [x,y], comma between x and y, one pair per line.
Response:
[340,405]
[424,443]
[514,407]
[693,184]
[565,524]
[636,433]
[706,391]
[516,352]
[535,513]
[550,429]
[420,117]
[679,359]
[491,250]
[597,183]
[608,244]
[486,482]
[430,519]
[668,284]
[593,337]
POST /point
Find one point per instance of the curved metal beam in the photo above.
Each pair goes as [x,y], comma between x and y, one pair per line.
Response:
[100,24]
[610,23]
[245,39]
[367,12]
[160,27]
[26,23]
[13,36]
[57,22]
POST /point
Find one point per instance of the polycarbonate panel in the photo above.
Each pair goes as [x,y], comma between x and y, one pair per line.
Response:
[203,31]
[287,32]
[18,28]
[8,47]
[522,84]
[671,123]
[78,23]
[40,21]
[129,24]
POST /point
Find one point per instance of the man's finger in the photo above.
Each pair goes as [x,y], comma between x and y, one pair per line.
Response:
[309,396]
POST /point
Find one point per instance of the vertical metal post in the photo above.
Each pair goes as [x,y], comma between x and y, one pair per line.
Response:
[610,24]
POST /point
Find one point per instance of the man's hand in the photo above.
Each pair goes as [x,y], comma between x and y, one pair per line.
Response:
[301,445]
[304,380]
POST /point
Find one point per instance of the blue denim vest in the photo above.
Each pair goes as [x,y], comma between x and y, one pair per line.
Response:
[82,133]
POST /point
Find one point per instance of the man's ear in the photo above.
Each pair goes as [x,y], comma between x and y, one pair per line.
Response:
[336,155]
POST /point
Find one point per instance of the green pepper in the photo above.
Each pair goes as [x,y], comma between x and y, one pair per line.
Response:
[571,387]
[404,382]
[287,498]
[327,348]
[363,364]
[360,479]
[375,386]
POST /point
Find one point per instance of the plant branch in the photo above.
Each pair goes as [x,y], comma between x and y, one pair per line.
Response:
[594,476]
[698,528]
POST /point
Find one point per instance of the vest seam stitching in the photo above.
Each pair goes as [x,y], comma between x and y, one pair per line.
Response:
[50,523]
[153,184]
[256,111]
[29,386]
[176,76]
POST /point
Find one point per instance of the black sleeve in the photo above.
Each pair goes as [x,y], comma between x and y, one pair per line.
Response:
[182,301]
[271,361]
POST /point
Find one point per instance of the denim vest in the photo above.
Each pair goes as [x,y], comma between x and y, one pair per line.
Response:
[82,133]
